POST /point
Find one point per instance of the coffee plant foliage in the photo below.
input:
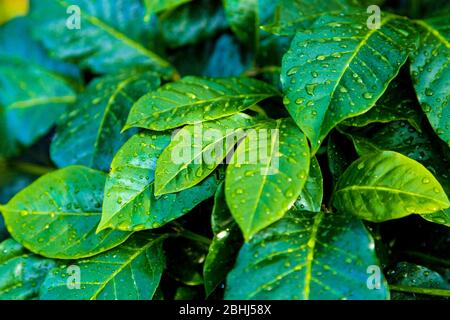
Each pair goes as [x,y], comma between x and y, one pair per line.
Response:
[348,116]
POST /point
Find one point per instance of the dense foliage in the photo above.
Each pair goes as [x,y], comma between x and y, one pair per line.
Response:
[350,122]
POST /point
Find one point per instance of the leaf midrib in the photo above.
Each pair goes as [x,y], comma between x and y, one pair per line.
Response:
[434,32]
[391,190]
[41,101]
[122,267]
[120,36]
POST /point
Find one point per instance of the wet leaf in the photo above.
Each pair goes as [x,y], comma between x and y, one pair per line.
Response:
[271,163]
[196,151]
[194,99]
[131,271]
[386,185]
[307,256]
[21,273]
[56,216]
[339,68]
[89,132]
[431,73]
[130,203]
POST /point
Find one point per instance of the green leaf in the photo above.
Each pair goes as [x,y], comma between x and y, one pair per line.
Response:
[224,246]
[408,280]
[420,146]
[310,198]
[129,203]
[32,99]
[156,6]
[272,163]
[242,15]
[192,23]
[294,15]
[131,271]
[89,132]
[21,273]
[431,73]
[196,151]
[386,185]
[111,35]
[194,99]
[56,215]
[339,69]
[396,104]
[440,217]
[307,256]
[17,42]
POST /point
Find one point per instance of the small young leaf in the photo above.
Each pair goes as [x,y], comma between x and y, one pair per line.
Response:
[131,271]
[129,203]
[266,175]
[431,73]
[194,99]
[197,150]
[89,132]
[387,185]
[56,216]
[21,273]
[307,256]
[339,69]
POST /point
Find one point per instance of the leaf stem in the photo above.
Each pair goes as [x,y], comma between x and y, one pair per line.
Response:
[31,168]
[427,291]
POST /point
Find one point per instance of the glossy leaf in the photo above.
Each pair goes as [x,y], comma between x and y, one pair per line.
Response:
[387,185]
[196,151]
[307,256]
[130,203]
[131,271]
[224,246]
[420,146]
[32,99]
[104,36]
[56,216]
[310,198]
[294,15]
[339,68]
[21,273]
[409,275]
[89,132]
[192,23]
[431,73]
[194,99]
[271,164]
[397,103]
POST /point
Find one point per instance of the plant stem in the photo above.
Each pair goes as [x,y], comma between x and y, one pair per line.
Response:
[31,168]
[182,232]
[427,291]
